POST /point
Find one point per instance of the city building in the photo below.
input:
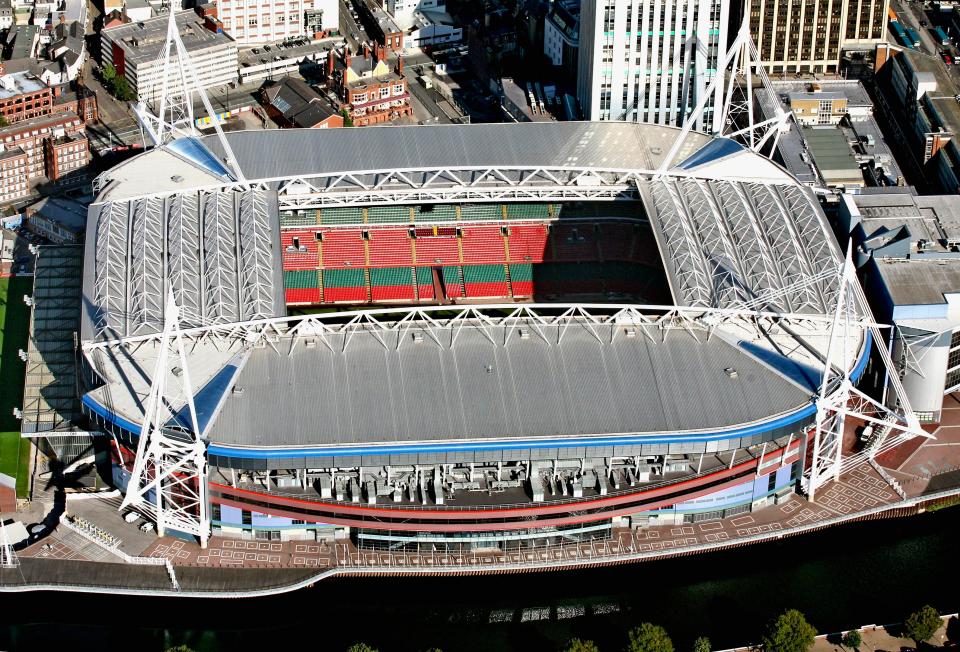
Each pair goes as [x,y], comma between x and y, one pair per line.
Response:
[66,154]
[134,51]
[383,27]
[57,219]
[431,28]
[833,157]
[27,153]
[291,102]
[14,174]
[921,115]
[299,56]
[371,91]
[252,22]
[650,61]
[908,249]
[561,34]
[6,14]
[8,241]
[22,96]
[808,36]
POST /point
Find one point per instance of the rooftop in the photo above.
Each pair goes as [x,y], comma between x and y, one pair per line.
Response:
[477,389]
[832,155]
[18,83]
[919,282]
[70,214]
[143,41]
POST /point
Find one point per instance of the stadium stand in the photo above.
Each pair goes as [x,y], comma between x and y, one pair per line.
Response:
[389,253]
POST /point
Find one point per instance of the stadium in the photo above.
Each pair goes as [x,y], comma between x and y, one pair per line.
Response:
[459,337]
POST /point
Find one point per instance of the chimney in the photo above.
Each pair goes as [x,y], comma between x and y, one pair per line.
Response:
[400,65]
[346,56]
[366,50]
[330,55]
[381,53]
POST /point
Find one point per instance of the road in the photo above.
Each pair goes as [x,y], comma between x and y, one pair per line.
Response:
[350,29]
[124,129]
[910,14]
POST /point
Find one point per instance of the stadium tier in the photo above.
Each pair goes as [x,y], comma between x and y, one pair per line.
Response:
[504,334]
[597,257]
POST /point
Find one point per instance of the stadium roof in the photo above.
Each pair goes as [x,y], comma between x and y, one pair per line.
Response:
[482,389]
[474,382]
[277,155]
[217,252]
[734,229]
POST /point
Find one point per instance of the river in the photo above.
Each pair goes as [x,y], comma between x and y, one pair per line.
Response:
[873,572]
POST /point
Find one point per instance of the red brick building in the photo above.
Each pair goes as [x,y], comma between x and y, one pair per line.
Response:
[65,154]
[46,147]
[371,91]
[23,96]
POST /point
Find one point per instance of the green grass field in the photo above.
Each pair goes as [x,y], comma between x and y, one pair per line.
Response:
[14,331]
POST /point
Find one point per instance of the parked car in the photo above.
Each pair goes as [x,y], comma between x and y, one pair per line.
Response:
[147,527]
[130,517]
[947,59]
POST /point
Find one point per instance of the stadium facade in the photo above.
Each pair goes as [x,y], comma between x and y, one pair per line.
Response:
[461,337]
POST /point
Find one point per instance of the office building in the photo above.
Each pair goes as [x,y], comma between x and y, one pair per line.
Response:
[649,61]
[808,36]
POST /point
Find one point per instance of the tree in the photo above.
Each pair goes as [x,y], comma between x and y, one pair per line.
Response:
[790,632]
[649,638]
[109,74]
[361,647]
[347,120]
[923,624]
[122,90]
[852,639]
[180,648]
[577,645]
[3,121]
[702,644]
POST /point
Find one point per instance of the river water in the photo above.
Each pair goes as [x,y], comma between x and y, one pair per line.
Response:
[853,575]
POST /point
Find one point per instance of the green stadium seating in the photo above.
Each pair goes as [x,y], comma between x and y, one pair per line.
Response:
[479,212]
[388,215]
[528,212]
[341,215]
[429,213]
[304,218]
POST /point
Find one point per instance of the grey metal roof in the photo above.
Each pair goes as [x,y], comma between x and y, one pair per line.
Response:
[218,251]
[735,244]
[472,387]
[611,145]
[919,282]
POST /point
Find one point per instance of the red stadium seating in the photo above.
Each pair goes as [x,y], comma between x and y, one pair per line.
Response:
[303,295]
[304,255]
[527,243]
[616,240]
[482,245]
[541,256]
[390,248]
[437,250]
[573,242]
[343,248]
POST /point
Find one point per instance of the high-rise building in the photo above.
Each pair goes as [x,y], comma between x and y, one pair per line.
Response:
[808,36]
[650,60]
[266,21]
